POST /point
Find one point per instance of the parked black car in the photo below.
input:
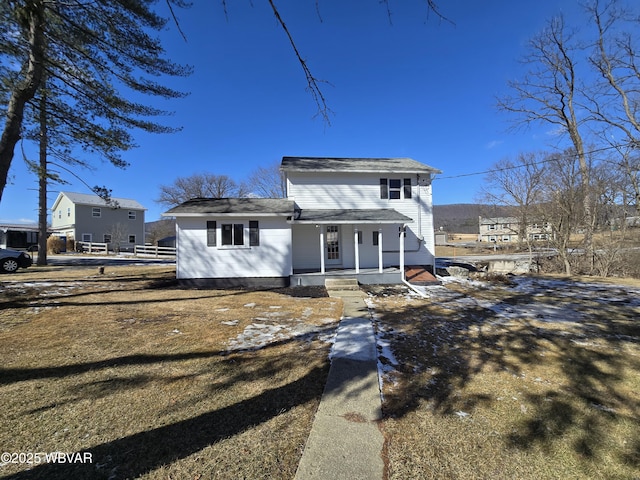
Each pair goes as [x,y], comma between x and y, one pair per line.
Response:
[11,260]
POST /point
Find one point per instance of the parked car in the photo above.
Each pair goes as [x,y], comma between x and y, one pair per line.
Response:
[11,260]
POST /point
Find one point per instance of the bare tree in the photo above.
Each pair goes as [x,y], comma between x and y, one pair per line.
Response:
[267,182]
[561,205]
[118,232]
[518,184]
[199,185]
[550,94]
[613,101]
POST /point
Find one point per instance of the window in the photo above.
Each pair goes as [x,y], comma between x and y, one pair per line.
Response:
[132,239]
[59,213]
[96,212]
[254,233]
[375,237]
[395,188]
[68,211]
[106,238]
[212,239]
[359,237]
[233,234]
[86,237]
[132,215]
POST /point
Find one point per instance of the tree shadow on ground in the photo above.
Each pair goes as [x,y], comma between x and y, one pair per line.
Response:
[137,454]
[443,347]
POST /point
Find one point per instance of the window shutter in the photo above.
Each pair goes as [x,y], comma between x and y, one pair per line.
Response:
[254,233]
[384,189]
[407,188]
[211,233]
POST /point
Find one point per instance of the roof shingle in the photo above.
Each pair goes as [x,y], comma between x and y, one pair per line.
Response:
[332,164]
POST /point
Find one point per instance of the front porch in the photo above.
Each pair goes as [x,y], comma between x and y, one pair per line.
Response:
[365,276]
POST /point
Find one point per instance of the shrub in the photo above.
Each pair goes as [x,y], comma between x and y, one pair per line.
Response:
[54,244]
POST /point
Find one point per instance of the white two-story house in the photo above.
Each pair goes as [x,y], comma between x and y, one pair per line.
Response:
[89,218]
[364,217]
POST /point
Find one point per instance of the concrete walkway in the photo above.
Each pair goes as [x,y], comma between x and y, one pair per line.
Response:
[345,441]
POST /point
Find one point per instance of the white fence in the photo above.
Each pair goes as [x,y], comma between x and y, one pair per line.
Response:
[92,247]
[154,250]
[138,250]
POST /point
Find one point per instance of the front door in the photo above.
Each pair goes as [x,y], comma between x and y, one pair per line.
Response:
[332,250]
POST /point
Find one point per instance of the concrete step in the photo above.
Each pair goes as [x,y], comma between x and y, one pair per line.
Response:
[341,284]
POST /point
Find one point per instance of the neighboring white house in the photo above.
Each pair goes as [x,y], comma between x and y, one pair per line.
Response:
[506,229]
[368,217]
[89,218]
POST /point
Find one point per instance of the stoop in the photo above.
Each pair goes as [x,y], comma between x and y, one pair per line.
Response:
[341,284]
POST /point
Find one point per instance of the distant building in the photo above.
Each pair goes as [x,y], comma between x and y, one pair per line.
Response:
[441,237]
[20,237]
[88,218]
[507,230]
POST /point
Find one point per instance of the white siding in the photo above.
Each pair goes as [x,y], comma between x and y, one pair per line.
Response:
[272,258]
[362,191]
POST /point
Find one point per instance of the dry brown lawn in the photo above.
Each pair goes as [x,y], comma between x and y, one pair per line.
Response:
[533,378]
[527,379]
[157,381]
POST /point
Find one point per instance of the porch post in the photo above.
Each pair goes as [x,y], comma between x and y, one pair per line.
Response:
[357,250]
[380,250]
[322,270]
[402,252]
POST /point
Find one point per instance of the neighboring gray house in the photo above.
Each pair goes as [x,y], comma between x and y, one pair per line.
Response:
[506,230]
[88,218]
[365,217]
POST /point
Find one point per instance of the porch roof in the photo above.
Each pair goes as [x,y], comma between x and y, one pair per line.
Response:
[233,206]
[350,216]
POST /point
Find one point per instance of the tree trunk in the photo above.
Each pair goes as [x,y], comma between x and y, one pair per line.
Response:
[42,184]
[34,11]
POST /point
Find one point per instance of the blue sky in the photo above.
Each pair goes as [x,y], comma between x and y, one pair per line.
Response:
[418,87]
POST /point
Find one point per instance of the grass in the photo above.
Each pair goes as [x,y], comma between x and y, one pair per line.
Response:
[488,380]
[476,394]
[156,381]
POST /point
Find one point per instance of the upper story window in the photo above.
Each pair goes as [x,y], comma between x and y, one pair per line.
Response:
[132,215]
[68,211]
[395,188]
[96,212]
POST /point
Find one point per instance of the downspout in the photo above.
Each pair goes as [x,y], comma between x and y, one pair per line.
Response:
[412,287]
[420,236]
